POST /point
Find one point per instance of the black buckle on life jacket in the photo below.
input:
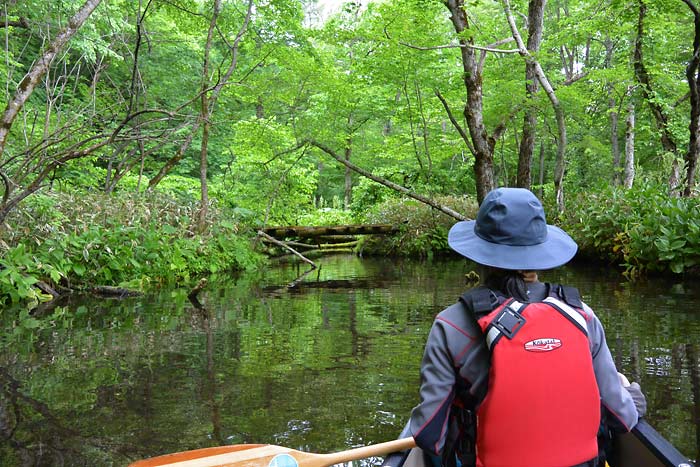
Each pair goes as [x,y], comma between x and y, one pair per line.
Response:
[509,322]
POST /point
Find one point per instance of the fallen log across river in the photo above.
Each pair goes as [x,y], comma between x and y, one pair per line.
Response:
[311,231]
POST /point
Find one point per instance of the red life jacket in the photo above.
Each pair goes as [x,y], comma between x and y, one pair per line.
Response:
[542,407]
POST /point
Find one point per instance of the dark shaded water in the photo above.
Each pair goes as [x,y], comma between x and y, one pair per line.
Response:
[324,366]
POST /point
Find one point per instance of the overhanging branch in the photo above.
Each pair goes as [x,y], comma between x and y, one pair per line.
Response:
[394,186]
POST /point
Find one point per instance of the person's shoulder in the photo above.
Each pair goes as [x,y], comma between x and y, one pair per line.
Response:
[480,300]
[567,294]
[453,311]
[588,312]
[459,318]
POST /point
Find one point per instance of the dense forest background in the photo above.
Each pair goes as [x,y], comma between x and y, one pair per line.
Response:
[147,141]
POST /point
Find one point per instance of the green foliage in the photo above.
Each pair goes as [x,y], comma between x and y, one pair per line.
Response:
[368,194]
[83,174]
[642,230]
[327,216]
[17,276]
[264,177]
[422,229]
[135,241]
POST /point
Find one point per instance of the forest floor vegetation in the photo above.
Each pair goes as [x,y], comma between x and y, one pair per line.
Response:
[641,231]
[73,242]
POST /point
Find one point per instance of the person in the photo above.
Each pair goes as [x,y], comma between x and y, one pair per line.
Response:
[517,373]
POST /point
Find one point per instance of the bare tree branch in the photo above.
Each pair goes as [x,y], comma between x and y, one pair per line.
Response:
[8,187]
[32,78]
[489,48]
[287,247]
[455,123]
[482,57]
[394,186]
[459,46]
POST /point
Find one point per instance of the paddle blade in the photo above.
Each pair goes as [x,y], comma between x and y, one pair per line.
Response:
[174,458]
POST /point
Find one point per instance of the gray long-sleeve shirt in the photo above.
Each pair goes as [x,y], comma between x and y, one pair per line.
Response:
[456,360]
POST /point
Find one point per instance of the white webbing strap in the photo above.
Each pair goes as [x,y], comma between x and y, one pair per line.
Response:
[491,336]
[574,315]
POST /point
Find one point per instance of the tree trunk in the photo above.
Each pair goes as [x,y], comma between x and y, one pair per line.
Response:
[641,73]
[541,174]
[473,108]
[213,97]
[204,116]
[426,146]
[691,73]
[259,109]
[173,161]
[324,231]
[614,143]
[629,149]
[411,126]
[527,144]
[559,166]
[558,111]
[348,175]
[614,116]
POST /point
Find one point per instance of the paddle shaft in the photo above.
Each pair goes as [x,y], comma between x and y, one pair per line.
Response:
[363,452]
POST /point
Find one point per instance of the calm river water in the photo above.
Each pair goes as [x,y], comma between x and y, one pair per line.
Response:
[328,364]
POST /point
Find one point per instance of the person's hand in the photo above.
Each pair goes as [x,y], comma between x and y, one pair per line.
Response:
[640,402]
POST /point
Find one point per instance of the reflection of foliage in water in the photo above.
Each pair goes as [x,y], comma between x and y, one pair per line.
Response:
[329,364]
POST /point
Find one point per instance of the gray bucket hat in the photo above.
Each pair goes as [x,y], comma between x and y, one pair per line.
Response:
[511,232]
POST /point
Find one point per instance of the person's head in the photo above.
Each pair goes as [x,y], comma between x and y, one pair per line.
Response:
[511,235]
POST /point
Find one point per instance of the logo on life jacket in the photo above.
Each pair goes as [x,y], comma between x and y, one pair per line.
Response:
[545,344]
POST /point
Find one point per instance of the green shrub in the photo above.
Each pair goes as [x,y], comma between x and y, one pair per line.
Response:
[327,216]
[641,230]
[130,240]
[422,229]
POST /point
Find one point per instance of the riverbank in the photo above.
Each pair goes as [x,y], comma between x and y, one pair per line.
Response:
[639,231]
[58,243]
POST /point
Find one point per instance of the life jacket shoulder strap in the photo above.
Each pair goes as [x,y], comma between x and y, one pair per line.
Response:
[479,301]
[569,313]
[567,294]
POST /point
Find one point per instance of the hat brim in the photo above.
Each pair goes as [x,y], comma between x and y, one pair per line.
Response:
[557,250]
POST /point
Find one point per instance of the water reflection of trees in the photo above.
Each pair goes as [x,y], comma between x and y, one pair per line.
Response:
[33,435]
[332,363]
[692,351]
